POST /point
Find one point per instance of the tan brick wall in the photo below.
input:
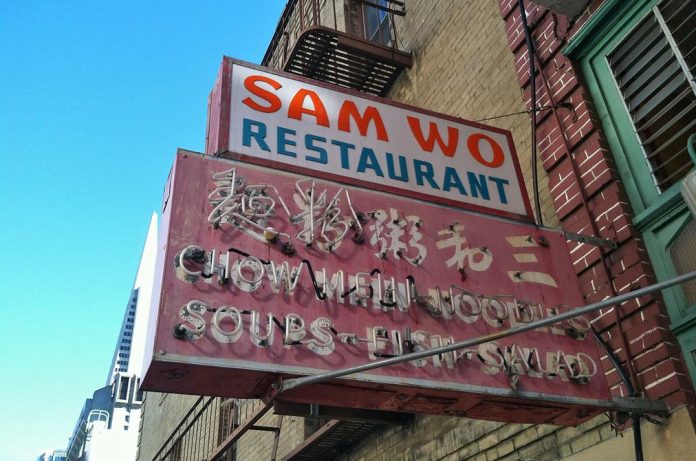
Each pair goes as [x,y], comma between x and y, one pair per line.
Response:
[161,414]
[462,66]
[164,412]
[428,438]
[258,445]
[432,438]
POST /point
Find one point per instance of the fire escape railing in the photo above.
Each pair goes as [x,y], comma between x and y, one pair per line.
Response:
[350,43]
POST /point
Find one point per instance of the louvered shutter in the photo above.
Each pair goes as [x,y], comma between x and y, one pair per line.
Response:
[653,68]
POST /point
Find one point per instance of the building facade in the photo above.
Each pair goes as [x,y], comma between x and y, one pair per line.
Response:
[107,427]
[615,106]
[52,455]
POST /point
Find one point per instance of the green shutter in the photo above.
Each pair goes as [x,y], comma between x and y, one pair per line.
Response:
[638,60]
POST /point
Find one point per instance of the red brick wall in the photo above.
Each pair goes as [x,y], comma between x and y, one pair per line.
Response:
[589,199]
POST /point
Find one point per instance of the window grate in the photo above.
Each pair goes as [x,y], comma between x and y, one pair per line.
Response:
[653,67]
[680,17]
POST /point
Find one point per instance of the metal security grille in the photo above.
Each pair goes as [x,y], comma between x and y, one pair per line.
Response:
[653,68]
[683,252]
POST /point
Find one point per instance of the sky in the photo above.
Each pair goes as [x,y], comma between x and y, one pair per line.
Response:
[95,97]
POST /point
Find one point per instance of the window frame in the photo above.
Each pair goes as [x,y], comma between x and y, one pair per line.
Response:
[378,31]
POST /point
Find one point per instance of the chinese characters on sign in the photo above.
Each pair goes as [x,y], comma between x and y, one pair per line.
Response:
[269,273]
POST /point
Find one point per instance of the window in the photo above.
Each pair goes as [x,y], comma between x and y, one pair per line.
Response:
[228,421]
[123,388]
[377,23]
[639,60]
[139,392]
[370,21]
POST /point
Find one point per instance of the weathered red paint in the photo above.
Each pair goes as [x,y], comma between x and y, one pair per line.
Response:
[241,369]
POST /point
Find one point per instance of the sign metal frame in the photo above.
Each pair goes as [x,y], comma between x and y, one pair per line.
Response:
[175,361]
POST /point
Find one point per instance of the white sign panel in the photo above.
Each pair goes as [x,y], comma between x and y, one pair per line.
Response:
[373,143]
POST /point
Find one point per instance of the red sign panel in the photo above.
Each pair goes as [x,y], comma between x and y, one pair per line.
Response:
[269,274]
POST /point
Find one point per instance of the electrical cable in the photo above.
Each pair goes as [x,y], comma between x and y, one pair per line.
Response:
[533,111]
[635,419]
[535,184]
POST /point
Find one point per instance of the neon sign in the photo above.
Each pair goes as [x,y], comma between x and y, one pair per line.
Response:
[271,273]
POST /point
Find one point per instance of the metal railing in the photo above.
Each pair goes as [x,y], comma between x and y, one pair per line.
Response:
[347,17]
[98,416]
[579,311]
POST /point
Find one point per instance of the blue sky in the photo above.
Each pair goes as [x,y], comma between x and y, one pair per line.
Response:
[95,97]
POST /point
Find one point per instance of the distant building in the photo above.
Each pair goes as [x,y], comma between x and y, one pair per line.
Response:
[107,428]
[52,455]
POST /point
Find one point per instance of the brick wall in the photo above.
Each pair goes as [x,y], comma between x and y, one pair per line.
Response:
[589,198]
[463,67]
[457,439]
[160,416]
[258,445]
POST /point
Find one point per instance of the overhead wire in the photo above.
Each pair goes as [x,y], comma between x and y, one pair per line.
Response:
[533,112]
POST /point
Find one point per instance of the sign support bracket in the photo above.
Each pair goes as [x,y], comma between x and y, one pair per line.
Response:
[239,432]
[636,406]
[628,405]
[590,240]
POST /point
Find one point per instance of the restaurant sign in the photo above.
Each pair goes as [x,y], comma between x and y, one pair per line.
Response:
[267,274]
[264,116]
